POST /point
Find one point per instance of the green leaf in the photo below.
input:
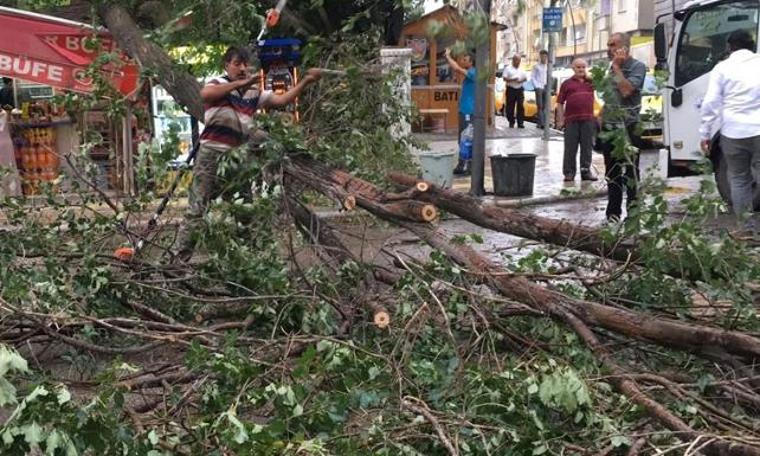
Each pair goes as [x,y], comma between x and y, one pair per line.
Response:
[63,395]
[152,437]
[241,435]
[7,393]
[619,440]
[53,442]
[540,449]
[37,392]
[10,360]
[297,410]
[33,433]
[533,388]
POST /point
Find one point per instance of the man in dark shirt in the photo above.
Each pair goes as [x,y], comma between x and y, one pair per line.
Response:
[622,103]
[6,94]
[575,107]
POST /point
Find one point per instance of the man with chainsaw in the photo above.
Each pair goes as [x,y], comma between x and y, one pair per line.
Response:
[230,102]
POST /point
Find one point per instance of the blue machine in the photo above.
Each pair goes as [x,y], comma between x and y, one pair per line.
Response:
[279,60]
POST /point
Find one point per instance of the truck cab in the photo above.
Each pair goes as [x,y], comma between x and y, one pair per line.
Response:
[698,43]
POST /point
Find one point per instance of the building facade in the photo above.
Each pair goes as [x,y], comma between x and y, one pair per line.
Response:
[586,27]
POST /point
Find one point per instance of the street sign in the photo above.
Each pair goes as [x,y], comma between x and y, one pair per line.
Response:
[552,19]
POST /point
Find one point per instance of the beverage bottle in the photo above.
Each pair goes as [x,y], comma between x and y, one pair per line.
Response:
[465,142]
[27,157]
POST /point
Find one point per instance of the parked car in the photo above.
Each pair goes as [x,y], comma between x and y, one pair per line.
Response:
[531,109]
[499,93]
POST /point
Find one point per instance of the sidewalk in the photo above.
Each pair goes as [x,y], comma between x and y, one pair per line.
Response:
[548,179]
[582,202]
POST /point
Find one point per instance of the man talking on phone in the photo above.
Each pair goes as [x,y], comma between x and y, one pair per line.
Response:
[230,103]
[622,103]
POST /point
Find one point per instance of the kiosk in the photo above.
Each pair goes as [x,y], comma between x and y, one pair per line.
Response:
[435,87]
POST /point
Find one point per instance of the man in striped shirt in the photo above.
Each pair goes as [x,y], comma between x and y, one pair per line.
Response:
[230,102]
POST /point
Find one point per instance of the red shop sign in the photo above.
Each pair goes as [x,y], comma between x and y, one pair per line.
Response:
[56,52]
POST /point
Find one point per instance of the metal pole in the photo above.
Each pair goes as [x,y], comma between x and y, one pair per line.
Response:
[549,86]
[483,67]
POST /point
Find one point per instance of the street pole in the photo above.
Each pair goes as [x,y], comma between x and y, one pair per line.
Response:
[483,68]
[548,88]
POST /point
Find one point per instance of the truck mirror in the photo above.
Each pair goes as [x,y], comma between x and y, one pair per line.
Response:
[660,43]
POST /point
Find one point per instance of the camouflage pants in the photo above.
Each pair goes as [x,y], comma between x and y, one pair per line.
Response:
[208,185]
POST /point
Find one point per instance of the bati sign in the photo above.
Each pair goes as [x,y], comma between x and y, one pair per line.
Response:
[552,20]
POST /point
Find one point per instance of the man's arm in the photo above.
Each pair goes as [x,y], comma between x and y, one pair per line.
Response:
[453,63]
[534,76]
[213,92]
[312,75]
[634,82]
[712,106]
[561,97]
[508,79]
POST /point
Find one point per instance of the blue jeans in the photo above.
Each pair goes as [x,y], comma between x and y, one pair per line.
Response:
[540,121]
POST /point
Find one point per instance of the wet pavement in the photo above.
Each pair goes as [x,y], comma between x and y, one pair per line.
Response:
[581,202]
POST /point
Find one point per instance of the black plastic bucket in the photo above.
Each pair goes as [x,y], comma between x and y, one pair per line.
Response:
[513,174]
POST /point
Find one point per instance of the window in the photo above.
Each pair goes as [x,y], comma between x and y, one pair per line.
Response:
[702,42]
[605,7]
[420,60]
[580,33]
[621,6]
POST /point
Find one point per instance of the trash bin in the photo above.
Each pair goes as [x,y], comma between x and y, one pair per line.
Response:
[438,167]
[513,174]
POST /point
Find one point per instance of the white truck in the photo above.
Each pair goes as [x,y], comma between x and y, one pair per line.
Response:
[698,42]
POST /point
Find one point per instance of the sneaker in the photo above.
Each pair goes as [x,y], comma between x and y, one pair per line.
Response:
[613,219]
[569,178]
[511,125]
[521,126]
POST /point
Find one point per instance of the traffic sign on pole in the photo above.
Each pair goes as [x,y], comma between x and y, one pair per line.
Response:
[552,19]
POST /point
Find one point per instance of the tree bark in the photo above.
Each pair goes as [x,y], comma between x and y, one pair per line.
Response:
[667,332]
[321,233]
[517,222]
[344,187]
[577,314]
[179,83]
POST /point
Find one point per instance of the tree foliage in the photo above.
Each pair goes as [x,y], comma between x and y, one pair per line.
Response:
[263,344]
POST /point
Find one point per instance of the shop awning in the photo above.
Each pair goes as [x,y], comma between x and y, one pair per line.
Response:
[56,52]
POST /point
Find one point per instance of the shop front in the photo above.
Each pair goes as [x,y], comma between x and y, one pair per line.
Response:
[435,87]
[41,57]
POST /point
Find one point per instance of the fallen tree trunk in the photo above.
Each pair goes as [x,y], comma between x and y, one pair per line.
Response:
[644,327]
[321,233]
[343,187]
[517,222]
[179,83]
[575,313]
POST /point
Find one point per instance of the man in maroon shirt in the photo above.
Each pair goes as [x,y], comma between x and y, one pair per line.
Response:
[575,106]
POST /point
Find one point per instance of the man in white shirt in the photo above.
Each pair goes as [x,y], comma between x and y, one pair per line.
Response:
[538,78]
[514,77]
[732,104]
